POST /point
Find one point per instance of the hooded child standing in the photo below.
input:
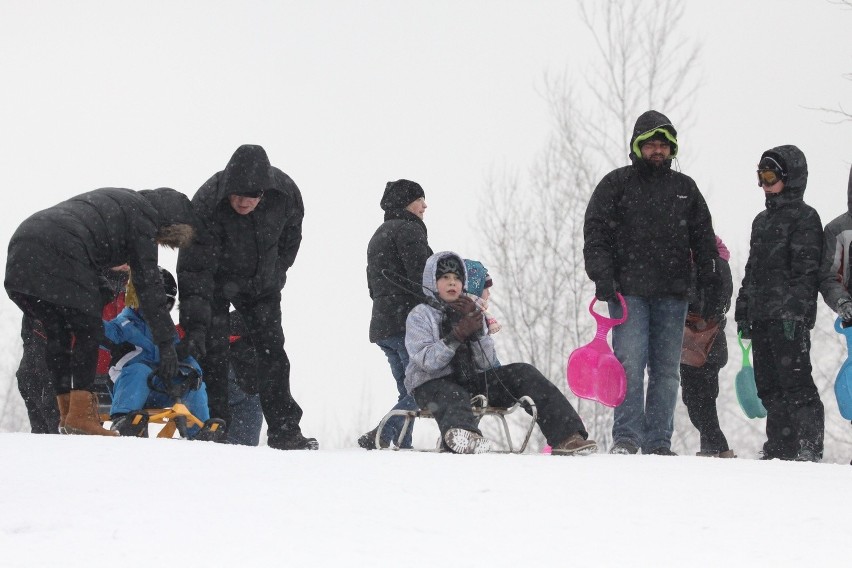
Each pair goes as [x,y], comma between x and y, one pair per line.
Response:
[644,225]
[452,358]
[776,307]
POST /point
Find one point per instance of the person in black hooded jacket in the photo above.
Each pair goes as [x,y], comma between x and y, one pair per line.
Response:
[253,214]
[643,224]
[53,273]
[776,307]
[398,246]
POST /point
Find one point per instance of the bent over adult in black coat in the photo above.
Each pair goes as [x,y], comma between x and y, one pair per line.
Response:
[53,273]
[253,213]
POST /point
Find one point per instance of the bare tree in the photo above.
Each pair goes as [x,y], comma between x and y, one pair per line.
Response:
[534,227]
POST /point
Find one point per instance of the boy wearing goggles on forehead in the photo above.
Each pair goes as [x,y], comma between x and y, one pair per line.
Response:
[776,307]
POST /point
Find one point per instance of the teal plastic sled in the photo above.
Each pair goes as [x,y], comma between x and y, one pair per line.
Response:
[745,386]
[843,384]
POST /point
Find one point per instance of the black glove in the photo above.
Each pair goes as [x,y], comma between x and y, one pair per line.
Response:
[168,367]
[467,326]
[193,345]
[464,305]
[789,329]
[606,290]
[844,309]
[744,329]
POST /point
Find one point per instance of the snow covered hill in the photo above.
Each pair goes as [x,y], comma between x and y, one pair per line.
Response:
[86,501]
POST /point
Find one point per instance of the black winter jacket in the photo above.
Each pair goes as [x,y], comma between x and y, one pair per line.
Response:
[240,254]
[782,273]
[641,224]
[400,246]
[57,254]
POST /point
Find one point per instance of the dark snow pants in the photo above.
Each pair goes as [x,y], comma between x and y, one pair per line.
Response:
[262,319]
[448,399]
[782,370]
[699,390]
[35,381]
[73,340]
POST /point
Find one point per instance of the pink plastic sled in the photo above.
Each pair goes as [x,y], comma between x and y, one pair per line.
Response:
[593,371]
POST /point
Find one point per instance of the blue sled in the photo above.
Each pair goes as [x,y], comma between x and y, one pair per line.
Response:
[746,388]
[843,384]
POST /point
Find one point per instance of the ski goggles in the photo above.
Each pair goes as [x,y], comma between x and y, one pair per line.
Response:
[769,177]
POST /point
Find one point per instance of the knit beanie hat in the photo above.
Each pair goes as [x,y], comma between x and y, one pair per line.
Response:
[478,278]
[400,193]
[449,265]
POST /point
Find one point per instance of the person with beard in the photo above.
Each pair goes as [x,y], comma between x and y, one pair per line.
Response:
[644,224]
[776,307]
[53,273]
[452,358]
[253,216]
[398,246]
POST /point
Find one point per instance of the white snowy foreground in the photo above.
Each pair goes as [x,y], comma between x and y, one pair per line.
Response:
[85,501]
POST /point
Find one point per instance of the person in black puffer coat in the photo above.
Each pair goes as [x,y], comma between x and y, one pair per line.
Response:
[399,246]
[253,214]
[644,224]
[53,273]
[776,307]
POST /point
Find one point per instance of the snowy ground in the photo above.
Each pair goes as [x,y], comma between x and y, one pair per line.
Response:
[86,501]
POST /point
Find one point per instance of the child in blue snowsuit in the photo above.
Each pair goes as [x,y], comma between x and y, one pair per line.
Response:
[130,372]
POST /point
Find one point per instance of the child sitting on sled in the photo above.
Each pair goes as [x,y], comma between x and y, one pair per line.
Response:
[130,373]
[452,358]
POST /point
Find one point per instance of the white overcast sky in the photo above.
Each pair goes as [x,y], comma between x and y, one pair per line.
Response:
[345,96]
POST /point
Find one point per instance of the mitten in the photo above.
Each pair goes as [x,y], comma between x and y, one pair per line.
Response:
[467,326]
[709,276]
[844,308]
[464,305]
[606,290]
[744,329]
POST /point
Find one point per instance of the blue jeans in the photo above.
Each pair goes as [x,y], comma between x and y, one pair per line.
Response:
[246,414]
[651,337]
[394,349]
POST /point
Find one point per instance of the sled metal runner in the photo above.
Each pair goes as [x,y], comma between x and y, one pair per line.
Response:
[480,408]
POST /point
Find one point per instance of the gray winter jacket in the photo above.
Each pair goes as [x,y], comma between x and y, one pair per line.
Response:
[429,355]
[835,274]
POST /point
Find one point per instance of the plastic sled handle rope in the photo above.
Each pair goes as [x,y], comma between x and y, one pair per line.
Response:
[593,371]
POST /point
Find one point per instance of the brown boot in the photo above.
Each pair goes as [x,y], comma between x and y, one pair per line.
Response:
[574,445]
[83,415]
[63,401]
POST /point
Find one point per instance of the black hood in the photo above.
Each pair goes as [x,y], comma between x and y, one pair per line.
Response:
[647,122]
[173,207]
[247,172]
[793,162]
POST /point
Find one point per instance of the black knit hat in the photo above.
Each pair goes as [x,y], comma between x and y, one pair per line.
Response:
[400,193]
[449,265]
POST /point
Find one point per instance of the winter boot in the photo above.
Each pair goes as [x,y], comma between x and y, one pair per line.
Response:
[295,441]
[574,445]
[134,424]
[624,448]
[661,451]
[368,440]
[83,416]
[808,453]
[63,401]
[725,454]
[212,431]
[466,442]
